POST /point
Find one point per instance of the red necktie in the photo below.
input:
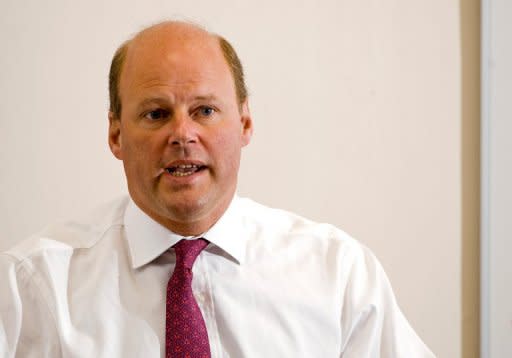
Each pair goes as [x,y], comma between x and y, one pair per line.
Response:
[185,330]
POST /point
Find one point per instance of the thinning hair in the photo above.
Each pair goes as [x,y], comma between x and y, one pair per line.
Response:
[116,67]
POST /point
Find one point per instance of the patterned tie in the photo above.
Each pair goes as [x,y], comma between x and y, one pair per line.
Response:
[185,331]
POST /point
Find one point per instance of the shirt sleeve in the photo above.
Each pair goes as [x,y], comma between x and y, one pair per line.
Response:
[372,323]
[27,327]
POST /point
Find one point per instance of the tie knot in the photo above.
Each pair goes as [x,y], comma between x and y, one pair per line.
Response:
[188,250]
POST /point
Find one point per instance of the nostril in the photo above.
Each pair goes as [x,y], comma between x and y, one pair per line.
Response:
[182,141]
[181,130]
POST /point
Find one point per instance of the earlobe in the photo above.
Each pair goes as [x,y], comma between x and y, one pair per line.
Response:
[247,126]
[114,136]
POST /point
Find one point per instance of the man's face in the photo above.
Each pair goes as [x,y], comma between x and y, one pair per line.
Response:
[181,129]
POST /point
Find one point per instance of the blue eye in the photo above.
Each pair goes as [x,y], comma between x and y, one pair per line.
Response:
[206,111]
[156,114]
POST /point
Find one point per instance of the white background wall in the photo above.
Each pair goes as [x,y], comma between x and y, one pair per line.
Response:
[357,111]
[497,177]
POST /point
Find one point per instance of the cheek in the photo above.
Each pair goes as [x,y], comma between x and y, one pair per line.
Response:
[227,153]
[139,153]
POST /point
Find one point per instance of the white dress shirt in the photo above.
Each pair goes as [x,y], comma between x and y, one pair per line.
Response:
[269,284]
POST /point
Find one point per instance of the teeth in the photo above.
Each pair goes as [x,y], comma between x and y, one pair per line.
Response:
[181,174]
[182,170]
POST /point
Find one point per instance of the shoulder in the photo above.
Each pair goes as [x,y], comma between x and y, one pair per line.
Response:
[83,232]
[281,227]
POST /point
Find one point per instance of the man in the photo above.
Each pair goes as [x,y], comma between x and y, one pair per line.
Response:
[184,267]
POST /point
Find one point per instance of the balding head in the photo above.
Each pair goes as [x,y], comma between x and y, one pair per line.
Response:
[179,119]
[164,36]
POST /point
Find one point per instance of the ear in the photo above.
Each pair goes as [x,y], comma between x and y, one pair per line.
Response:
[114,135]
[247,126]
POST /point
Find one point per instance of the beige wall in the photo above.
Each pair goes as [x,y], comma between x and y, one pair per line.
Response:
[360,121]
[470,169]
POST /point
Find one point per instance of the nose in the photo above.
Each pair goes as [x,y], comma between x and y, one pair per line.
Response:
[183,130]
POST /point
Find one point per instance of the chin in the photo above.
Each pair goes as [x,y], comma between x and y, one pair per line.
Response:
[186,209]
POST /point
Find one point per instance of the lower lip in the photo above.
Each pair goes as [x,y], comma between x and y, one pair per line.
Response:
[186,179]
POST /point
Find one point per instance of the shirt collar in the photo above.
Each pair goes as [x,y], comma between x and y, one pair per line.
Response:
[147,239]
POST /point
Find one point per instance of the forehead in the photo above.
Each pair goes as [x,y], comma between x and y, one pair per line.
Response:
[174,55]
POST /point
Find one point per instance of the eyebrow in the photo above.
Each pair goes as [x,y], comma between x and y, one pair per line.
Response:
[162,100]
[152,100]
[207,97]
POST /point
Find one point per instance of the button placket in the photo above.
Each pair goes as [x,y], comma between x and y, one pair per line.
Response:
[204,290]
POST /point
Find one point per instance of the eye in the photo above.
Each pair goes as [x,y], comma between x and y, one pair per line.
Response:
[205,111]
[156,114]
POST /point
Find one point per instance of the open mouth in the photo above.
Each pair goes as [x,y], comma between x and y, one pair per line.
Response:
[184,169]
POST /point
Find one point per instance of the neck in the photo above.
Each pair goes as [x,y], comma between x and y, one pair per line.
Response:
[186,223]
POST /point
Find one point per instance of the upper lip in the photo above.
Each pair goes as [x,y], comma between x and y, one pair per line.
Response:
[179,162]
